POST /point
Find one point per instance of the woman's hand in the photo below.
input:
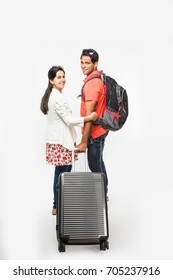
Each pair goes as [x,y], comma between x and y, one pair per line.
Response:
[93,116]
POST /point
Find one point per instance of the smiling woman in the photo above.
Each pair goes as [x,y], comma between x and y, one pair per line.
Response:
[59,81]
[60,134]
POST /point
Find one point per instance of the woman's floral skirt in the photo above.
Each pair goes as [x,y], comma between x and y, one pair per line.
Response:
[56,154]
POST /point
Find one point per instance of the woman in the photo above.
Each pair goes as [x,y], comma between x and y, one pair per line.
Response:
[60,135]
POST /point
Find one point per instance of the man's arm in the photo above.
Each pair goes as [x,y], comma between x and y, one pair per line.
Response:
[89,108]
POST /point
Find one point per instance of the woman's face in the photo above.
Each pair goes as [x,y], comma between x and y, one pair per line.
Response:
[59,81]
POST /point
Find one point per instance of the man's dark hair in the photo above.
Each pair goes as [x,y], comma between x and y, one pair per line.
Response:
[91,53]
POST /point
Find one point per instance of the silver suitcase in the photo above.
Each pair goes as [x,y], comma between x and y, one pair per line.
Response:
[82,216]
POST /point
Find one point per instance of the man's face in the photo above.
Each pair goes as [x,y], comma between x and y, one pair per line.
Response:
[87,66]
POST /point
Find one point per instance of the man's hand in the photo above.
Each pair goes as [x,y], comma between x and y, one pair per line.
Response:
[81,147]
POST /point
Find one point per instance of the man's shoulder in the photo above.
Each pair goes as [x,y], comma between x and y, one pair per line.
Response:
[93,76]
[92,86]
[93,80]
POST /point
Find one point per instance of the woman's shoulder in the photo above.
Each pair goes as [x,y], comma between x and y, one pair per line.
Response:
[55,94]
[57,99]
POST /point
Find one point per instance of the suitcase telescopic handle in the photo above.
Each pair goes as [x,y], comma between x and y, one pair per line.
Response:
[73,160]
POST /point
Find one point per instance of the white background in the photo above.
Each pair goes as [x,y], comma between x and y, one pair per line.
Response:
[135,41]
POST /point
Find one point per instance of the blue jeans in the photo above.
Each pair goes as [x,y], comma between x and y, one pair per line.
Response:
[95,156]
[58,170]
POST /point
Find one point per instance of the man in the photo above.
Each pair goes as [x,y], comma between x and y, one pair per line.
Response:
[93,98]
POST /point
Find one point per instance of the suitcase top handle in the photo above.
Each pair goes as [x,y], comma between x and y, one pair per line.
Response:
[73,160]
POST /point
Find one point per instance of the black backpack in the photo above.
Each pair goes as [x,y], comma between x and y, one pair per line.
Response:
[116,105]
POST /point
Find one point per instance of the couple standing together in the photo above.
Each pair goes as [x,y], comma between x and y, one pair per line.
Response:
[61,135]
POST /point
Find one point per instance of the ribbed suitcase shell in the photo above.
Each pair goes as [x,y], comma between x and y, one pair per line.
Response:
[82,213]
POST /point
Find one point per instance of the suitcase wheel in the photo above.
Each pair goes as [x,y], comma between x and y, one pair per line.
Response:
[104,245]
[61,247]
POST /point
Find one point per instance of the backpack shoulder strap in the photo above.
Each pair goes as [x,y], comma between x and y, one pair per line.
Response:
[90,78]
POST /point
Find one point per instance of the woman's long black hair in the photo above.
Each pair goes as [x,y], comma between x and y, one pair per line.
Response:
[51,75]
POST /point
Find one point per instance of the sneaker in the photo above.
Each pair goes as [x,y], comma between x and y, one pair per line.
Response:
[53,211]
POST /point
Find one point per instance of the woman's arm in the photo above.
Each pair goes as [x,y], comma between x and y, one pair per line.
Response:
[64,112]
[92,117]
